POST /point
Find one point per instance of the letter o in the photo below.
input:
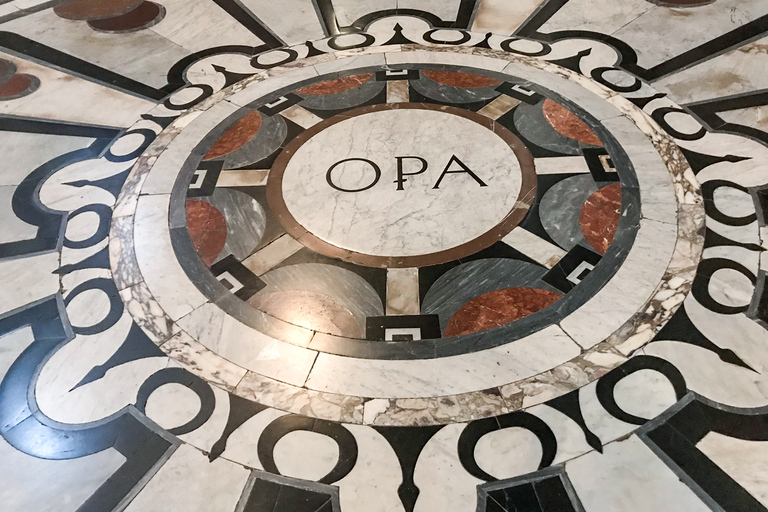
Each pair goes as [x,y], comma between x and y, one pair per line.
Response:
[374,182]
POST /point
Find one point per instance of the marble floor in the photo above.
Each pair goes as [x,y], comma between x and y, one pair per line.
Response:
[384,255]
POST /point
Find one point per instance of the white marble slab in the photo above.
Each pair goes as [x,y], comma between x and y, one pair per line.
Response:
[68,98]
[628,476]
[629,289]
[219,29]
[403,291]
[442,481]
[188,482]
[17,147]
[12,228]
[735,72]
[162,272]
[659,35]
[561,165]
[502,16]
[448,375]
[27,279]
[303,24]
[44,485]
[580,15]
[247,347]
[104,49]
[744,461]
[372,484]
[272,254]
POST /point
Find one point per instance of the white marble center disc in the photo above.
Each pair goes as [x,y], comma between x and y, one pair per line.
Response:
[371,216]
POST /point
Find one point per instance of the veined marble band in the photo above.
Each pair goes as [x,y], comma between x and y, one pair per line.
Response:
[626,324]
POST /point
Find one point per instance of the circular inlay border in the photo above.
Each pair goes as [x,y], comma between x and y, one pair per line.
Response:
[514,217]
[157,312]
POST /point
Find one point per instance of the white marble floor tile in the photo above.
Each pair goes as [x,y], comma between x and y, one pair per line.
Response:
[448,375]
[373,483]
[628,477]
[188,482]
[303,24]
[43,485]
[161,270]
[78,39]
[744,461]
[27,279]
[220,29]
[443,483]
[503,17]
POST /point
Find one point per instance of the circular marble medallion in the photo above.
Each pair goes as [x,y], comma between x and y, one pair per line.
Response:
[397,186]
[416,225]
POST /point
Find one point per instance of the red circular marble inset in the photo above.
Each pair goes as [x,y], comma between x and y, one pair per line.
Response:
[94,9]
[242,131]
[497,308]
[567,123]
[456,79]
[600,217]
[335,86]
[143,16]
[15,86]
[208,229]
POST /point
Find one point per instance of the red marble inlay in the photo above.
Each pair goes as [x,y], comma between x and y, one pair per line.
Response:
[567,123]
[336,85]
[94,9]
[600,216]
[208,229]
[242,131]
[16,85]
[143,16]
[497,308]
[456,79]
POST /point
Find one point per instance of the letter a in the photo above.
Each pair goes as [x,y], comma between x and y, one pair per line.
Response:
[464,169]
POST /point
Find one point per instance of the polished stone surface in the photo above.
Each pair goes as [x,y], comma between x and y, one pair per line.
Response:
[193,318]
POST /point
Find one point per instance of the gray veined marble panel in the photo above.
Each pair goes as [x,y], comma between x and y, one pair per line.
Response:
[450,94]
[532,125]
[465,282]
[268,139]
[320,297]
[345,99]
[560,208]
[246,221]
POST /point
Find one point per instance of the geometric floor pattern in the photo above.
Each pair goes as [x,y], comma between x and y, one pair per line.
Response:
[383,255]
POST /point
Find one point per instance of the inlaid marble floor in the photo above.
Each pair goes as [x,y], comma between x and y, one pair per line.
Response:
[383,255]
